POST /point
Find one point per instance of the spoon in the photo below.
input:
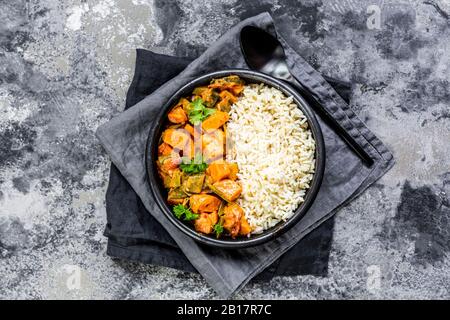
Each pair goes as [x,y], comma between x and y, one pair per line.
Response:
[264,53]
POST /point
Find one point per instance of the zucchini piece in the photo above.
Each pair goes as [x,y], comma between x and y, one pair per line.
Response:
[177,196]
[193,183]
[173,179]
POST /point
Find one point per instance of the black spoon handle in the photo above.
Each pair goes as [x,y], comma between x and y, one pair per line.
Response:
[326,116]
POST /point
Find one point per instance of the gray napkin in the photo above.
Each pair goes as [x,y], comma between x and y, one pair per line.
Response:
[345,175]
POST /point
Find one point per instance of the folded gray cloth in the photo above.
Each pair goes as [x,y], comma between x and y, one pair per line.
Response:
[133,234]
[345,175]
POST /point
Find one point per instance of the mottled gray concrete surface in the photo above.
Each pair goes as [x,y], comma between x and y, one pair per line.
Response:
[65,67]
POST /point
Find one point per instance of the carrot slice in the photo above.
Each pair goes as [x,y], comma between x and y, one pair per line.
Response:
[227,189]
[215,121]
[218,171]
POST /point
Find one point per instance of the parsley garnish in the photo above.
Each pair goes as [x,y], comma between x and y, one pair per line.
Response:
[197,165]
[188,215]
[179,210]
[199,112]
[218,229]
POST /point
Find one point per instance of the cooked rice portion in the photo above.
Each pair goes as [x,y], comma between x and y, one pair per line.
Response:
[270,140]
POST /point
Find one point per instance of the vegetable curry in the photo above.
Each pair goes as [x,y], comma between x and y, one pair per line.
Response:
[202,186]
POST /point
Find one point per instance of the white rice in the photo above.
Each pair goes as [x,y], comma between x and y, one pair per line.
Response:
[270,140]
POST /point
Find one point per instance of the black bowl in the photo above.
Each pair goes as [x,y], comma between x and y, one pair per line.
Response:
[160,193]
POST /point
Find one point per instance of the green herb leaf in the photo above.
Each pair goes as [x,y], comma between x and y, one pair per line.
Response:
[197,165]
[195,117]
[199,112]
[208,112]
[179,210]
[197,105]
[188,215]
[218,229]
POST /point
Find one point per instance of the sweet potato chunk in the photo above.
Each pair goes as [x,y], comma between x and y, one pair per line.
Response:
[226,100]
[213,145]
[237,89]
[215,121]
[227,189]
[213,137]
[218,170]
[177,115]
[175,201]
[164,149]
[204,203]
[245,226]
[176,138]
[228,96]
[234,170]
[189,129]
[213,152]
[184,104]
[206,222]
[231,218]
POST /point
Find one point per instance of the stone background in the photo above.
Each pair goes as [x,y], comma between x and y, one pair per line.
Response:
[65,67]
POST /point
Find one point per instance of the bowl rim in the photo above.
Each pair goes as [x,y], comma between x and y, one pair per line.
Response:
[155,184]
